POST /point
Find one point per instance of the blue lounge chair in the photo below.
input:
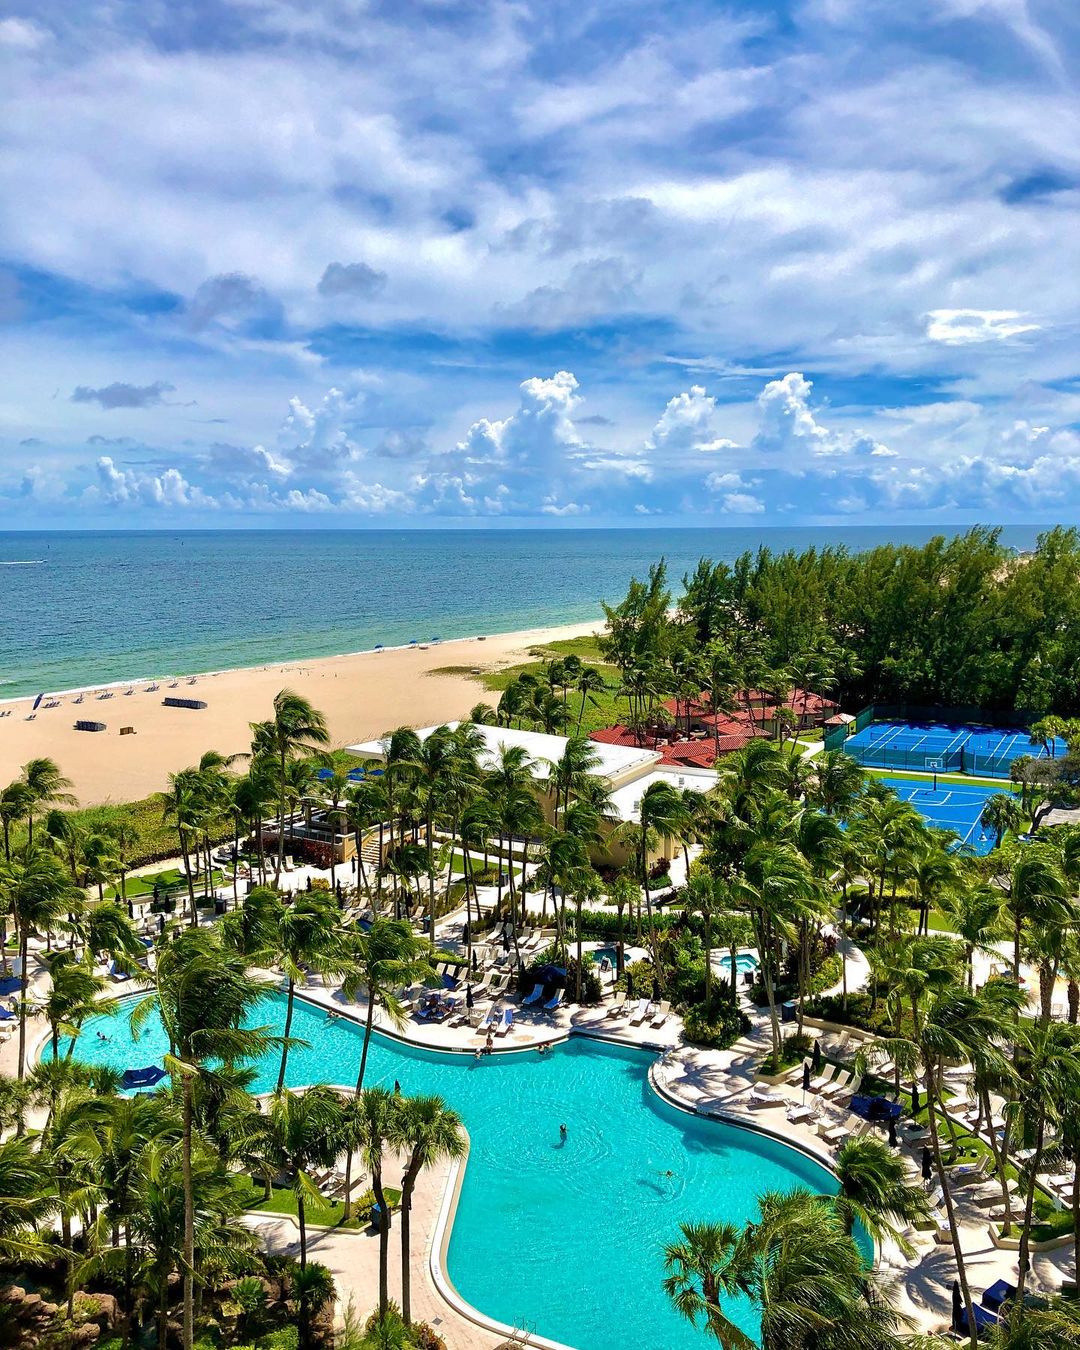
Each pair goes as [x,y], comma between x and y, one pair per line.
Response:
[507,1023]
[984,1320]
[554,1002]
[489,1019]
[997,1294]
[118,975]
[535,997]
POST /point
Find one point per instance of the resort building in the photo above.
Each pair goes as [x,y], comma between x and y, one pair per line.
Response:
[626,771]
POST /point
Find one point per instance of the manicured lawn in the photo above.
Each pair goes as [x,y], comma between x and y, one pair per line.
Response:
[283,1201]
[170,876]
[963,779]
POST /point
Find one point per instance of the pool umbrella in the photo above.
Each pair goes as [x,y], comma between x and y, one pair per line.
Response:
[957,1308]
[893,1141]
[927,1164]
[805,1078]
[468,996]
[815,1062]
[655,990]
[916,1105]
[475,963]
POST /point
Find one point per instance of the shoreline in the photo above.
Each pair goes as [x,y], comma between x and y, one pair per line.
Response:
[363,694]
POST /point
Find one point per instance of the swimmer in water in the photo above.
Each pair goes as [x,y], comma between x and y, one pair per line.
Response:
[562,1131]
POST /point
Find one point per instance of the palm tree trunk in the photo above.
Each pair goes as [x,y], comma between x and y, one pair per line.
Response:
[302,1221]
[408,1182]
[285,1036]
[384,1240]
[367,1040]
[950,1212]
[24,960]
[188,1335]
[1029,1205]
[281,817]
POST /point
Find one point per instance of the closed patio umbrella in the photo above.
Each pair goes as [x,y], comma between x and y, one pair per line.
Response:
[927,1164]
[468,996]
[893,1141]
[815,1062]
[805,1078]
[957,1308]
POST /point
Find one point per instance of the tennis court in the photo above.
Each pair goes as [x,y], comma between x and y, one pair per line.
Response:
[950,806]
[943,747]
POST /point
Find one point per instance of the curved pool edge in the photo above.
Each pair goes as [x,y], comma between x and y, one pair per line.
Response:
[442,1232]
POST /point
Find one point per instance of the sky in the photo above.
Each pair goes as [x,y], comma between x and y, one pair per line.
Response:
[445,262]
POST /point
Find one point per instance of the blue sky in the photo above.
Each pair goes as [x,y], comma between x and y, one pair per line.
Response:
[446,261]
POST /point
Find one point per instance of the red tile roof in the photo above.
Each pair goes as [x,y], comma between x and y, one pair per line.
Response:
[697,753]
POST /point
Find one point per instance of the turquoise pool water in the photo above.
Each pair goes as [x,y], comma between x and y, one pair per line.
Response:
[745,963]
[564,1239]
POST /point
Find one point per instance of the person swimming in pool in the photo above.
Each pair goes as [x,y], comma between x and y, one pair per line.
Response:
[562,1133]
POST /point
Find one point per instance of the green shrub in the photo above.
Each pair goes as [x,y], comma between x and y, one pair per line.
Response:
[718,1026]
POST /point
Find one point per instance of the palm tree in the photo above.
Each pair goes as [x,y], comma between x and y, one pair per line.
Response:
[45,786]
[387,957]
[296,1134]
[1001,813]
[307,939]
[661,814]
[204,996]
[74,995]
[427,1131]
[797,1264]
[588,683]
[27,1198]
[70,1140]
[182,803]
[36,891]
[379,1110]
[15,803]
[838,780]
[296,728]
[875,1191]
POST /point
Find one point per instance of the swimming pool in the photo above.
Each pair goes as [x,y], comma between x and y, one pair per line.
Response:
[745,963]
[564,1239]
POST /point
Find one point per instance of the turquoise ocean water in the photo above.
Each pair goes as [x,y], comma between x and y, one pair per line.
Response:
[560,1237]
[87,608]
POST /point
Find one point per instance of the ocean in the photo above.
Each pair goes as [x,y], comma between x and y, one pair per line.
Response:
[92,607]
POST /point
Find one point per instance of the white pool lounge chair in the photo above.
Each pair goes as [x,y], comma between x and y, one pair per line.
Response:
[506,1024]
[760,1098]
[837,1085]
[660,1016]
[637,1017]
[487,1022]
[825,1078]
[617,1003]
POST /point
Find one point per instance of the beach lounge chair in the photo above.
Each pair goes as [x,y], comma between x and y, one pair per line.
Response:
[487,1022]
[661,1014]
[617,1004]
[118,974]
[837,1085]
[832,1131]
[534,996]
[825,1078]
[637,1017]
[506,1023]
[554,1002]
[853,1086]
[988,1194]
[760,1098]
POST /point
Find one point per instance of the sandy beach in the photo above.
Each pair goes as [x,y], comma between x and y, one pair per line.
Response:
[362,695]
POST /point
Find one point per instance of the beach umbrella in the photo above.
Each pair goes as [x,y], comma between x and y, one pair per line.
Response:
[893,1141]
[378,646]
[927,1164]
[815,1062]
[468,996]
[957,1308]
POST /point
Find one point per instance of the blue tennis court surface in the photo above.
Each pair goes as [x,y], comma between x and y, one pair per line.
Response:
[951,806]
[989,751]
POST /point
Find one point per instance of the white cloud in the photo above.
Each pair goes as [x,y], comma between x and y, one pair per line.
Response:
[957,327]
[130,487]
[542,428]
[742,504]
[688,424]
[789,427]
[552,507]
[22,34]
